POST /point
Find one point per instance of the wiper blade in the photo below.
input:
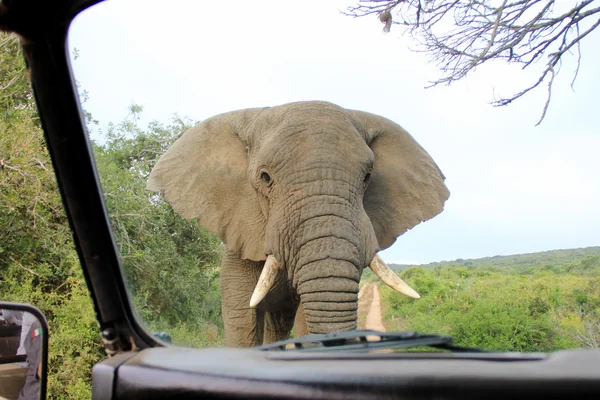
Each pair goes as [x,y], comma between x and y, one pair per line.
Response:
[357,341]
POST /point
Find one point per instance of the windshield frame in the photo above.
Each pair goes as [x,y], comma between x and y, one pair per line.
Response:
[43,28]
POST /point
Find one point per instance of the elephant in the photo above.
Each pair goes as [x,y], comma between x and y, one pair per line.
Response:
[303,196]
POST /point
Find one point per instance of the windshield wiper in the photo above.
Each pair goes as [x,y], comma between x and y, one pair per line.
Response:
[357,341]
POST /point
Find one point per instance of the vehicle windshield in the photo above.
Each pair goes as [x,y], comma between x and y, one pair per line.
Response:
[276,169]
[293,119]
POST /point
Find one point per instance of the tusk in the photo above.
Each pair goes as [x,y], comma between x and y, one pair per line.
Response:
[391,279]
[265,281]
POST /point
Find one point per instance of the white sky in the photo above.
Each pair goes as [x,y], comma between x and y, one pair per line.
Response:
[515,188]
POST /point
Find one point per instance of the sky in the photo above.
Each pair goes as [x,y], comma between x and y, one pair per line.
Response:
[515,188]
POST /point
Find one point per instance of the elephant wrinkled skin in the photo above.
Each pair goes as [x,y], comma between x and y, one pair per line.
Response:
[316,188]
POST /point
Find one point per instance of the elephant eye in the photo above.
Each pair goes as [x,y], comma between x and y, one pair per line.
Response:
[367,178]
[266,178]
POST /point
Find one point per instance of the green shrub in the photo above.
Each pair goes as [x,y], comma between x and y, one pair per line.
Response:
[499,309]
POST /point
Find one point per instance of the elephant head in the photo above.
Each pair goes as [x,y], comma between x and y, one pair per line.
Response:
[312,188]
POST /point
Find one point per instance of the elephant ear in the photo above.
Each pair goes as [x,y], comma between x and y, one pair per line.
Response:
[406,187]
[204,176]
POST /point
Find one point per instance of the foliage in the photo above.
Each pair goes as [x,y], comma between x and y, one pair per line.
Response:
[542,309]
[368,276]
[171,264]
[526,262]
[38,262]
[460,35]
[15,92]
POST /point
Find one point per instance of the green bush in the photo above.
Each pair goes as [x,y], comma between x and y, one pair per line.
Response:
[38,262]
[501,309]
[171,264]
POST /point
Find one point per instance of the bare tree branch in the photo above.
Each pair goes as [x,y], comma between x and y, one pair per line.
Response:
[460,35]
[32,272]
[578,62]
[590,337]
[552,75]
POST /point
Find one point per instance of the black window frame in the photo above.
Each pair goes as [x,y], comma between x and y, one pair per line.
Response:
[43,30]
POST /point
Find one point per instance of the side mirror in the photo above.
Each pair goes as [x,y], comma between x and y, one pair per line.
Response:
[23,352]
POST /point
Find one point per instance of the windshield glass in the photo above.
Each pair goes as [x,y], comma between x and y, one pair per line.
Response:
[273,169]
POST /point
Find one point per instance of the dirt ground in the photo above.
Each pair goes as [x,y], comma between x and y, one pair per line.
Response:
[369,308]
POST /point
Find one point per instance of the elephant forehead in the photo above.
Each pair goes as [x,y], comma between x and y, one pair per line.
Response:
[308,107]
[297,118]
[315,142]
[316,119]
[329,130]
[306,131]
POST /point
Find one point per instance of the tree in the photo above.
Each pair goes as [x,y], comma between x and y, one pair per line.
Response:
[171,265]
[38,261]
[460,35]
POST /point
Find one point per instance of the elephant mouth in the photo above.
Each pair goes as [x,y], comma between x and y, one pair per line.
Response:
[377,265]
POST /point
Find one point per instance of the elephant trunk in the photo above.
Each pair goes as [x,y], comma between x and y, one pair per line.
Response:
[327,310]
[326,277]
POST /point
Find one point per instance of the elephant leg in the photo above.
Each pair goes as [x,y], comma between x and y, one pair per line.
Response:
[278,325]
[244,326]
[300,326]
